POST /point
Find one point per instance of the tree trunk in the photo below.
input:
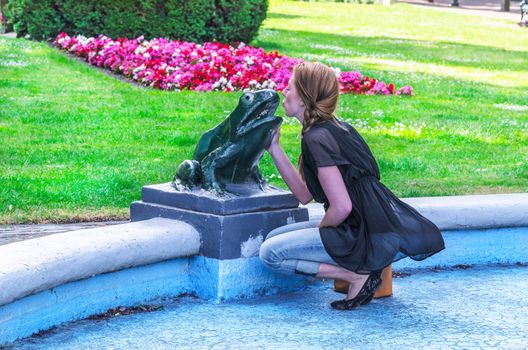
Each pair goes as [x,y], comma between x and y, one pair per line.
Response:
[505,5]
[3,25]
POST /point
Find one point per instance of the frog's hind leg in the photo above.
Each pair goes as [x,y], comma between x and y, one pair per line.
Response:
[188,175]
[210,181]
[215,160]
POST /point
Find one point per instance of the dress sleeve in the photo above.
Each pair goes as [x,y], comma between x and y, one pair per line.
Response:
[321,147]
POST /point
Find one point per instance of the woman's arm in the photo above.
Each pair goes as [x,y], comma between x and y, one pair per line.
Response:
[288,172]
[334,187]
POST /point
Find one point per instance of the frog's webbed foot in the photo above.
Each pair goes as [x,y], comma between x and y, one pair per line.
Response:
[263,186]
[259,179]
[211,183]
[221,192]
[210,180]
[217,189]
[188,175]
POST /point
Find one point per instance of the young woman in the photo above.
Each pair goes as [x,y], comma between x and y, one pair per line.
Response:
[365,227]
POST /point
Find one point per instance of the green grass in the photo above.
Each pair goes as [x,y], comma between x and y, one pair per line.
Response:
[77,144]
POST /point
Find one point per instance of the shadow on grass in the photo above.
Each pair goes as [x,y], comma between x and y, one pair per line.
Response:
[399,49]
[275,15]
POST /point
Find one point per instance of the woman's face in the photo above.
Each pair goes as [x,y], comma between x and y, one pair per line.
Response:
[292,103]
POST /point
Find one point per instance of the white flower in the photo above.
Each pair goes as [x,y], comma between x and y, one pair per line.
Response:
[137,70]
[220,83]
[139,50]
[249,61]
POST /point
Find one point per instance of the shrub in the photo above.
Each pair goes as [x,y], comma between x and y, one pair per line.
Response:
[226,21]
[37,18]
[5,26]
[236,18]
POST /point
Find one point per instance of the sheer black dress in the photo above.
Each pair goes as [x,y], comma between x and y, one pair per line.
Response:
[381,228]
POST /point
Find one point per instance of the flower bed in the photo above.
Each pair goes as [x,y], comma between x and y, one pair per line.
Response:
[213,66]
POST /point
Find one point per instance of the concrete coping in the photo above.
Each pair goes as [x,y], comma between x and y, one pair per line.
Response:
[28,267]
[34,265]
[41,264]
[464,212]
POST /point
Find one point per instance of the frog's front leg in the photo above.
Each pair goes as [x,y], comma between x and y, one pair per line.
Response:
[259,179]
[215,160]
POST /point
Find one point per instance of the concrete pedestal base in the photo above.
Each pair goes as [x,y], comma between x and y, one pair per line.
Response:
[222,280]
[231,231]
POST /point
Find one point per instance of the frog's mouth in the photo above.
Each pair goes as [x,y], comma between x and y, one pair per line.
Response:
[262,113]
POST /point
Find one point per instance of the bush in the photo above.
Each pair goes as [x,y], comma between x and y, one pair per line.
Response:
[37,18]
[5,26]
[198,20]
[236,18]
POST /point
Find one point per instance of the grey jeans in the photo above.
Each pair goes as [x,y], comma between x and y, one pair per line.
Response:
[295,248]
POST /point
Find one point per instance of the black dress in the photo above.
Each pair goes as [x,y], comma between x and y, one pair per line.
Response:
[381,228]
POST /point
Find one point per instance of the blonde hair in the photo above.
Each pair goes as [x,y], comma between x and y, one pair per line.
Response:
[318,88]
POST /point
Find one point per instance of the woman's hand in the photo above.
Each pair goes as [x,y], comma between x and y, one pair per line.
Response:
[287,170]
[275,141]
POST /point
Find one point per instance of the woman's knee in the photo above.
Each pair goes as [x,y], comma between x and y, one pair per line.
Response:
[291,227]
[269,256]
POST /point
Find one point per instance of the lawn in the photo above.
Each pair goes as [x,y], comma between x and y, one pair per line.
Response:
[78,144]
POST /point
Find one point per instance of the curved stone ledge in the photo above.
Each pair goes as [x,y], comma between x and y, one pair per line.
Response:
[484,247]
[464,212]
[79,299]
[197,275]
[39,264]
[67,276]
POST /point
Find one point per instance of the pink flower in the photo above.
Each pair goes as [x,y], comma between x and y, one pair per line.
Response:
[405,90]
[179,65]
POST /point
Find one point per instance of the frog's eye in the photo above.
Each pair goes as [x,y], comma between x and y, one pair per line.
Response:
[248,98]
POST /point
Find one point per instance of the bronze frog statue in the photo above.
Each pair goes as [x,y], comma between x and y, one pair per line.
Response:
[226,158]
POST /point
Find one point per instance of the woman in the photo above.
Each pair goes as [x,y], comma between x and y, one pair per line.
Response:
[365,227]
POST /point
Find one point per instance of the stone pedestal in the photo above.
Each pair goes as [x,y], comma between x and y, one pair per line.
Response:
[231,230]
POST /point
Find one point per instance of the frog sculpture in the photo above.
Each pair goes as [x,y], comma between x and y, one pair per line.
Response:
[225,160]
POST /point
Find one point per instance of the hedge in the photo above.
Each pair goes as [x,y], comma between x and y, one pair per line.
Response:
[226,21]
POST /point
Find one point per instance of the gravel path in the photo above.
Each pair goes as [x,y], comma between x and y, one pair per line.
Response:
[15,233]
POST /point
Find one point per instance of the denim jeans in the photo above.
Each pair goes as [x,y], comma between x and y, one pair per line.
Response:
[295,248]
